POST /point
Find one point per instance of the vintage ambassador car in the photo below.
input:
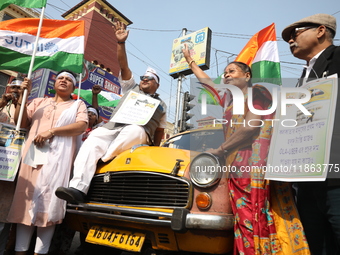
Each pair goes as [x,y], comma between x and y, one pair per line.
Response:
[170,198]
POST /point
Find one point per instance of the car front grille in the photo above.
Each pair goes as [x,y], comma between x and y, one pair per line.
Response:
[140,189]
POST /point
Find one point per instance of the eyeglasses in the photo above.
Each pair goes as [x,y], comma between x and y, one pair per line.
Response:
[299,30]
[149,78]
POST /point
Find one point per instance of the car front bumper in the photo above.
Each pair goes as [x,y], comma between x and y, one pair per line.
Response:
[179,220]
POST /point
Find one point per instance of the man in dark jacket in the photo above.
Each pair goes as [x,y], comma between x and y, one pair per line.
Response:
[311,39]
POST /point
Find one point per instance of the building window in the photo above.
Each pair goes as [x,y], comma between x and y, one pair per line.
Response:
[7,17]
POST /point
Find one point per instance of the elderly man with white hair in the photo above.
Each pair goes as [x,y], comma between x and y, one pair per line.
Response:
[108,141]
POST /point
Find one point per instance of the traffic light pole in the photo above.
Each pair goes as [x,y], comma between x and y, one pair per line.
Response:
[186,107]
[178,103]
[178,98]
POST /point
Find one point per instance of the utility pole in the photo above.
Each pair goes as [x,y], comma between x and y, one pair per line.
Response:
[178,98]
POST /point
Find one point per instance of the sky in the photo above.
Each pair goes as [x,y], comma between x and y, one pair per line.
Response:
[157,23]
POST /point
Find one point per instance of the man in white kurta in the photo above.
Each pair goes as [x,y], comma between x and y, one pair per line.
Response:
[108,141]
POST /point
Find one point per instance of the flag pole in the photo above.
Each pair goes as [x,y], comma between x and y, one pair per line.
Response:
[79,87]
[30,69]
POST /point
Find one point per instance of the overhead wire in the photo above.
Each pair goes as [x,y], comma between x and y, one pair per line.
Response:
[148,64]
[61,10]
[221,34]
[156,65]
[218,34]
[65,4]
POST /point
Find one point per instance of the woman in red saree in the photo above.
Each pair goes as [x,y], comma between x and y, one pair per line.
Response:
[266,219]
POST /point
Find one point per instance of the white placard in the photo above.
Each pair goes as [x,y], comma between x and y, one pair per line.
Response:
[301,153]
[136,109]
[11,143]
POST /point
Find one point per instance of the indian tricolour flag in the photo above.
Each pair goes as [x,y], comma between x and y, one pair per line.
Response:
[24,3]
[105,98]
[60,45]
[261,54]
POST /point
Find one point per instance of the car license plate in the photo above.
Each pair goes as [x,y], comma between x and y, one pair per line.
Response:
[122,239]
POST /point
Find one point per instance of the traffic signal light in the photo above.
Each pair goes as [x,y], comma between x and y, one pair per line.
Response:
[185,115]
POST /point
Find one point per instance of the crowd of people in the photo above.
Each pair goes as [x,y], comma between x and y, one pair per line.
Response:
[61,125]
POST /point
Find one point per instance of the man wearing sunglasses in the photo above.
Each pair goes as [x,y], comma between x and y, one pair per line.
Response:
[108,141]
[311,39]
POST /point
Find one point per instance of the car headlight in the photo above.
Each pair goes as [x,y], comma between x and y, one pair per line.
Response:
[205,170]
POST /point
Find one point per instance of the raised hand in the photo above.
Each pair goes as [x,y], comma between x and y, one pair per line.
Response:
[96,89]
[121,32]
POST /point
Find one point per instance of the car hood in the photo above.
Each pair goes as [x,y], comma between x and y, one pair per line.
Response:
[150,159]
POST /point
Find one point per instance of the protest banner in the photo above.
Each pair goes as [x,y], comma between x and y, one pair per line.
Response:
[11,142]
[301,152]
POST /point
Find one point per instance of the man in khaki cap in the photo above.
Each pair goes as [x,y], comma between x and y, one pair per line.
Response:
[311,39]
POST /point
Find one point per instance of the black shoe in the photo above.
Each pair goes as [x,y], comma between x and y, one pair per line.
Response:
[80,251]
[71,195]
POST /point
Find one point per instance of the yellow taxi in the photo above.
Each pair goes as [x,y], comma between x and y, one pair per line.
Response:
[170,198]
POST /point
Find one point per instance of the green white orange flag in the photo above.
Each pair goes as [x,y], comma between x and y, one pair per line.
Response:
[261,54]
[105,98]
[60,46]
[23,3]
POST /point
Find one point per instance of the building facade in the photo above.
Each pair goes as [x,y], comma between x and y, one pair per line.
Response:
[100,39]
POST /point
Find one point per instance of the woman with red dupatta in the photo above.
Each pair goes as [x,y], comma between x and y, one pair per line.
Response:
[262,209]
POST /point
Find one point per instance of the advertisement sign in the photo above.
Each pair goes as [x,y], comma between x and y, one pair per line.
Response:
[10,151]
[301,153]
[93,75]
[37,80]
[199,45]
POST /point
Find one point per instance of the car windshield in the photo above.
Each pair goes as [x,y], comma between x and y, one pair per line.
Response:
[197,140]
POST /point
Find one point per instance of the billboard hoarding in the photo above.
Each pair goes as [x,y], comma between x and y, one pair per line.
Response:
[199,44]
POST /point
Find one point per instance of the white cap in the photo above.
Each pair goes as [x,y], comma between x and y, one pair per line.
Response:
[152,72]
[15,83]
